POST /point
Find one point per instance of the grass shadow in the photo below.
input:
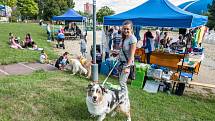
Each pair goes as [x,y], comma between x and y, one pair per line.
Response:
[78,111]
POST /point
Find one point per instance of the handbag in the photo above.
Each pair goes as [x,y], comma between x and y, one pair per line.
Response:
[132,67]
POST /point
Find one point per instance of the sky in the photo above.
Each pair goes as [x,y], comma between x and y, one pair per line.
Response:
[117,5]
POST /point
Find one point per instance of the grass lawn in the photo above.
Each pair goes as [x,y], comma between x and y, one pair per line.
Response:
[52,96]
[9,55]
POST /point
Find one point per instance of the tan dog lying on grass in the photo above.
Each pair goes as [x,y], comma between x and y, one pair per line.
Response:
[86,64]
[76,67]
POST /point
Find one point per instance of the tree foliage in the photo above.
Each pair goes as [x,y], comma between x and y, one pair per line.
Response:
[27,8]
[85,14]
[43,9]
[49,8]
[10,3]
[211,15]
[104,11]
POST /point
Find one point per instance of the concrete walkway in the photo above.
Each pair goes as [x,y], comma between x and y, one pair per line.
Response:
[24,68]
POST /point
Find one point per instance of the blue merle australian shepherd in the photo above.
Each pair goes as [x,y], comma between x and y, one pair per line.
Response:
[101,101]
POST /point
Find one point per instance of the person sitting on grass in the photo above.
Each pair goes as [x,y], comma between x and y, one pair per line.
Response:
[62,61]
[14,43]
[35,47]
[43,57]
[28,41]
[10,37]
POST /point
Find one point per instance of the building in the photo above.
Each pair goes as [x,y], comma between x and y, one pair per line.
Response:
[88,8]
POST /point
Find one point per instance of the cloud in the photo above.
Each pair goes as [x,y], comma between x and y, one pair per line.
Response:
[117,5]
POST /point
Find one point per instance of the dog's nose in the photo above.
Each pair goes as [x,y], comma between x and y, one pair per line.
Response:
[94,97]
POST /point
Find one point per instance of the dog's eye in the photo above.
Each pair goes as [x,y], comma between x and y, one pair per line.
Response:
[98,91]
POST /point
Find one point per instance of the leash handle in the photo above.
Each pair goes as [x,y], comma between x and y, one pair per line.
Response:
[109,73]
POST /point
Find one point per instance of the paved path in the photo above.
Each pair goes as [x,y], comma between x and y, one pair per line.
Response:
[24,68]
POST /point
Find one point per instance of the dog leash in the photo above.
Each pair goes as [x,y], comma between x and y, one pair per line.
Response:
[109,73]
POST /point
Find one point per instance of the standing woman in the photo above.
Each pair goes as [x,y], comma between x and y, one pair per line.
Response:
[148,44]
[127,51]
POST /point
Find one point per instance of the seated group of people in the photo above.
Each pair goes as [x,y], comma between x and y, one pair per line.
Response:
[16,43]
[162,39]
[72,27]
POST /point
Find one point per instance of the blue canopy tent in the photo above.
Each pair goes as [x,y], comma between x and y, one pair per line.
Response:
[2,7]
[70,15]
[197,6]
[158,13]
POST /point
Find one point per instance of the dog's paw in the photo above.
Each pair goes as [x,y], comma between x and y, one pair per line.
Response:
[88,77]
[113,114]
[129,119]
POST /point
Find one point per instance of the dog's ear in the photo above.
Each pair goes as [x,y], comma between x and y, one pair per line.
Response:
[90,86]
[104,90]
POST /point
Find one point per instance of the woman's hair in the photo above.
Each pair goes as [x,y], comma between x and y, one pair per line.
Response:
[66,53]
[127,22]
[28,34]
[149,34]
[119,31]
[180,36]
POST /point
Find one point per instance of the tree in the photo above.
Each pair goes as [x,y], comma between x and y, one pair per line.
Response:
[10,3]
[27,8]
[104,11]
[88,15]
[211,15]
[49,8]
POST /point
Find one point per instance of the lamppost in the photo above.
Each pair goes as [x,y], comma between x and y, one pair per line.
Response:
[94,65]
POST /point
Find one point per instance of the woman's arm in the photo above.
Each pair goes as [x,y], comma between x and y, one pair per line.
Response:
[132,51]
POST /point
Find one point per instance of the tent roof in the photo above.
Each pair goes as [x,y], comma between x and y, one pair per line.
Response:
[160,13]
[197,6]
[185,4]
[70,15]
[2,7]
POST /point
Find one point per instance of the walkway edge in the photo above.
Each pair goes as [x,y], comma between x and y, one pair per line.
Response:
[27,66]
[4,72]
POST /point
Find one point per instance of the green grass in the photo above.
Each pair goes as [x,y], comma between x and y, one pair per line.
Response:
[9,55]
[58,96]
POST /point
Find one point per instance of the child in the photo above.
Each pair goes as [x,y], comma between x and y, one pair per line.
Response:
[62,61]
[43,57]
[83,45]
[28,41]
[14,44]
[60,40]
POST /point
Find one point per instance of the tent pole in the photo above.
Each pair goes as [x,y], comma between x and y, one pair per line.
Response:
[82,24]
[52,33]
[184,55]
